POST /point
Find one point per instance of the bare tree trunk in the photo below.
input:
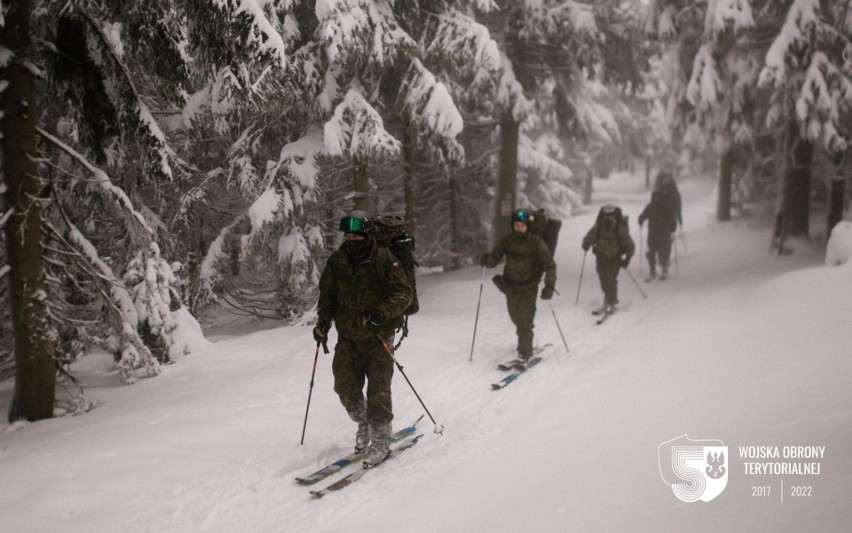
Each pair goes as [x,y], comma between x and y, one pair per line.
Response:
[455,230]
[797,187]
[35,380]
[647,171]
[361,186]
[408,175]
[507,180]
[723,204]
[836,195]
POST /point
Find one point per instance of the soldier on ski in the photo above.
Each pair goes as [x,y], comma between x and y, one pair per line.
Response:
[527,260]
[670,195]
[613,247]
[662,223]
[364,291]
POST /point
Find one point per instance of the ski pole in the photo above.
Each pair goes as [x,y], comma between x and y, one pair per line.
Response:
[310,391]
[635,283]
[683,238]
[438,428]
[476,321]
[677,270]
[558,326]
[580,283]
[641,254]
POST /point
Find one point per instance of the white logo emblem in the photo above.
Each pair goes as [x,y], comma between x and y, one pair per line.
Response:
[694,469]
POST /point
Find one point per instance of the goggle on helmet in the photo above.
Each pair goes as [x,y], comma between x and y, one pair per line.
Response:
[519,215]
[353,225]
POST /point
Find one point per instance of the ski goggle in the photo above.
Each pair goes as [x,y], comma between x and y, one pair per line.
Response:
[352,225]
[521,216]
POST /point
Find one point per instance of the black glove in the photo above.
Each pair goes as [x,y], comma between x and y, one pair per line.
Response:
[586,247]
[547,292]
[372,319]
[625,262]
[321,332]
[483,261]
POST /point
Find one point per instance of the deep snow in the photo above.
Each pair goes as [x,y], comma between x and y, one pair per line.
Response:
[739,345]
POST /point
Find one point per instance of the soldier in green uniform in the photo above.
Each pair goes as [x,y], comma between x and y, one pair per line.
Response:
[364,291]
[527,259]
[662,223]
[613,247]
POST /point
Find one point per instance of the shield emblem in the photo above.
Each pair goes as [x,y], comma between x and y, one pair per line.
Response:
[694,469]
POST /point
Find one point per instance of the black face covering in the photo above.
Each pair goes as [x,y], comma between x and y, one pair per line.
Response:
[359,250]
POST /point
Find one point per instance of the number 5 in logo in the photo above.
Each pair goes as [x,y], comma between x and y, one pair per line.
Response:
[694,469]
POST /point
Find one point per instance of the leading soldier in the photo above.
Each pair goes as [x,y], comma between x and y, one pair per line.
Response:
[364,291]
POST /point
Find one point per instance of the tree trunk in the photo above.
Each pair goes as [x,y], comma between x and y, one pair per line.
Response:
[797,187]
[35,380]
[408,175]
[507,180]
[836,195]
[361,186]
[647,171]
[455,230]
[723,205]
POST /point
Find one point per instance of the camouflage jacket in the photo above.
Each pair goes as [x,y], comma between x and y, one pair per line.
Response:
[610,244]
[661,219]
[377,284]
[527,258]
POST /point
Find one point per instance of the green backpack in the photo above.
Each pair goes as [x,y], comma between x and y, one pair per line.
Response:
[389,232]
[545,227]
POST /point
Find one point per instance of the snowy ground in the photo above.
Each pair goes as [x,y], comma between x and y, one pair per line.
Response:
[740,346]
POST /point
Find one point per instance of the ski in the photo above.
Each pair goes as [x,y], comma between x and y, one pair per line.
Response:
[353,457]
[516,374]
[511,365]
[358,474]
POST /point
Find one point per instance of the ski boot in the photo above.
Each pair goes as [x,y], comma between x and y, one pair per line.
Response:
[379,448]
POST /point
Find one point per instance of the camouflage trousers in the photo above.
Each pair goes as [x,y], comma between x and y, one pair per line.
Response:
[520,300]
[357,362]
[608,274]
[659,247]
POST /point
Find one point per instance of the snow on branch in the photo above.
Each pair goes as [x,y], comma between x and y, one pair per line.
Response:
[299,159]
[723,15]
[429,103]
[350,29]
[801,21]
[580,16]
[135,359]
[704,85]
[357,128]
[143,113]
[531,158]
[101,179]
[262,34]
[209,273]
[467,43]
[824,91]
[510,94]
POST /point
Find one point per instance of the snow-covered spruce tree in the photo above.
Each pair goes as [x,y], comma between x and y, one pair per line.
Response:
[721,86]
[107,69]
[810,92]
[452,74]
[251,215]
[550,50]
